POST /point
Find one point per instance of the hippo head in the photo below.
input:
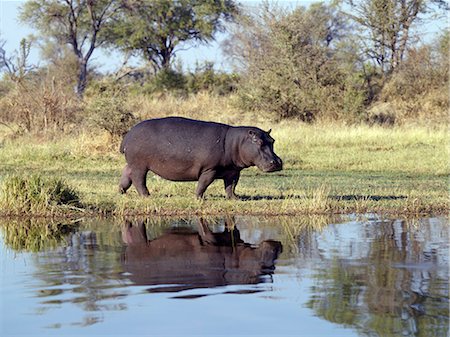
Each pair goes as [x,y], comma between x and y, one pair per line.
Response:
[258,150]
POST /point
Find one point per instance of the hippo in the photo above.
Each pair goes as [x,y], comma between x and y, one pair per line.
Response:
[182,259]
[182,149]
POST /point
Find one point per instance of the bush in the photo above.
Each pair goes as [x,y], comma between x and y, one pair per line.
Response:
[39,100]
[166,80]
[292,67]
[40,105]
[202,79]
[205,78]
[35,194]
[418,89]
[107,110]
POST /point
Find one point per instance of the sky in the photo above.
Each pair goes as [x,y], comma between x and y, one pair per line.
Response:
[11,32]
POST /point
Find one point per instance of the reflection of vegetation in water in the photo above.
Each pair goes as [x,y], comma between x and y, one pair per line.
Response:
[379,292]
[85,273]
[297,231]
[34,234]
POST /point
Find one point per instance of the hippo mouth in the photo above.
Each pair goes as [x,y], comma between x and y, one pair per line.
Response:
[273,167]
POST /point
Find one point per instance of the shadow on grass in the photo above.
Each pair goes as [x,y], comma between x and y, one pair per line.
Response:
[268,197]
[334,197]
[352,197]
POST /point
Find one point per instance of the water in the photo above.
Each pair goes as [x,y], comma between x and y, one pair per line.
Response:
[232,276]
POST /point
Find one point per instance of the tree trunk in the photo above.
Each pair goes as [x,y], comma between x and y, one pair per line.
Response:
[82,79]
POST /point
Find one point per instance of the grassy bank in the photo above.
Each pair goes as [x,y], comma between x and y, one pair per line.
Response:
[329,168]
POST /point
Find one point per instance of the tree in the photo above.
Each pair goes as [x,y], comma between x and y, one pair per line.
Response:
[17,66]
[291,63]
[388,25]
[78,23]
[158,28]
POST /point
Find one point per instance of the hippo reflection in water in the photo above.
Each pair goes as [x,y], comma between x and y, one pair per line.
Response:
[182,259]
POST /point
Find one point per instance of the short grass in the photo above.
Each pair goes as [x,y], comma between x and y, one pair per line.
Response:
[329,169]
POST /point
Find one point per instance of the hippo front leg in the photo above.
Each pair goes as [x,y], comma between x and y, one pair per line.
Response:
[205,179]
[230,180]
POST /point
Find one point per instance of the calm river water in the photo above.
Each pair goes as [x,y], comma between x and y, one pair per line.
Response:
[348,276]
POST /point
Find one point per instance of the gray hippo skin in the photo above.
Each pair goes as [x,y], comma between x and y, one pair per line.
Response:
[181,149]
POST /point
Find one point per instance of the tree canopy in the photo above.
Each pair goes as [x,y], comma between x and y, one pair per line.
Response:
[79,23]
[387,27]
[157,29]
[291,62]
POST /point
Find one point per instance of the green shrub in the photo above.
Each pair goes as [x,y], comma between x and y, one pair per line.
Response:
[166,80]
[107,109]
[205,78]
[418,89]
[293,67]
[35,194]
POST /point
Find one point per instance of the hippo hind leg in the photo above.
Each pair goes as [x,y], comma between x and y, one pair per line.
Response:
[134,176]
[139,178]
[205,179]
[125,180]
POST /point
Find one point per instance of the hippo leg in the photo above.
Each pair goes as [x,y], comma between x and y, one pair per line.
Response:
[205,233]
[139,177]
[134,234]
[125,180]
[231,180]
[205,179]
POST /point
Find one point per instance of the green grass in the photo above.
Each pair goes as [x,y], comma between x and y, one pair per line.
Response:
[36,195]
[329,168]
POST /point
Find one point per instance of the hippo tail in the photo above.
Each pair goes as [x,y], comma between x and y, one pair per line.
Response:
[122,145]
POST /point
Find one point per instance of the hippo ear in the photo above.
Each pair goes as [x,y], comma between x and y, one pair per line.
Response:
[252,135]
[268,132]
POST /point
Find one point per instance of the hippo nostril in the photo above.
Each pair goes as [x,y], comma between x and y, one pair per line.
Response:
[272,162]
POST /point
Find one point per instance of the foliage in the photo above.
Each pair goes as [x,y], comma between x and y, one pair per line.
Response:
[40,103]
[35,194]
[166,80]
[204,78]
[156,29]
[78,23]
[107,110]
[310,63]
[387,27]
[292,66]
[17,66]
[39,99]
[418,90]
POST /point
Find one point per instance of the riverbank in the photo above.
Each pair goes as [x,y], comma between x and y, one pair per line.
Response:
[328,169]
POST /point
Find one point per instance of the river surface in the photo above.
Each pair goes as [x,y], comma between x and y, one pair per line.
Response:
[347,276]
